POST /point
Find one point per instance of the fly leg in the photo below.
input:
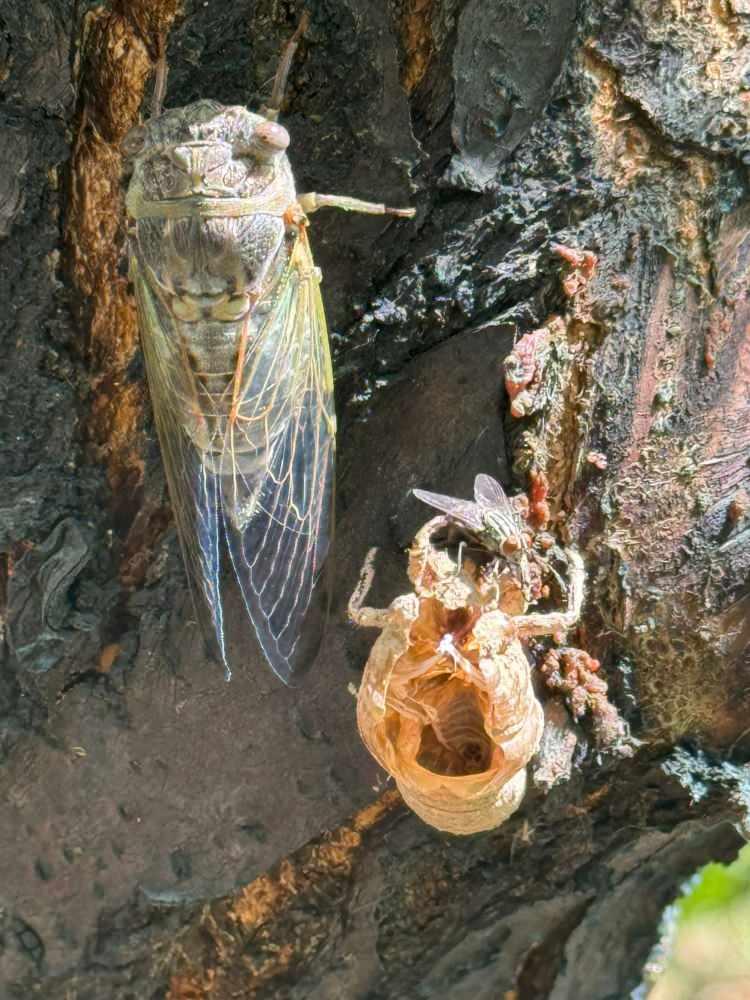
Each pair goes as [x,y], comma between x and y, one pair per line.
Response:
[460,558]
[311,202]
[271,110]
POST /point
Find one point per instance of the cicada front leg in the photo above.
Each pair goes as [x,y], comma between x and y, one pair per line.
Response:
[312,201]
[160,79]
[272,109]
[558,621]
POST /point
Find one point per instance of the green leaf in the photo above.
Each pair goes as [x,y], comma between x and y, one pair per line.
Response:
[715,885]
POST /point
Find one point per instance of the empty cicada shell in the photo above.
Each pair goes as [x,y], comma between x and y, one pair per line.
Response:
[446,704]
[454,722]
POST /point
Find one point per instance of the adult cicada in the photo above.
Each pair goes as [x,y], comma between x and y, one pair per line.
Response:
[237,357]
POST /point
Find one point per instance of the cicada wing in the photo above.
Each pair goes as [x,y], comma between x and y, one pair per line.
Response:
[463,511]
[278,497]
[194,490]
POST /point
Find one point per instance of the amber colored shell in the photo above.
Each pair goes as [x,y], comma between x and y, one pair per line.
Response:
[446,703]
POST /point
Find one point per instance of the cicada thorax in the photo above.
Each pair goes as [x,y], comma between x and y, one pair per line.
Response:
[220,282]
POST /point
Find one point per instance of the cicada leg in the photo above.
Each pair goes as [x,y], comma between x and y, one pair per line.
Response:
[160,79]
[558,621]
[312,201]
[358,613]
[271,110]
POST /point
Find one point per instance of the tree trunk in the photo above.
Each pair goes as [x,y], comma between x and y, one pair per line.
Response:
[577,169]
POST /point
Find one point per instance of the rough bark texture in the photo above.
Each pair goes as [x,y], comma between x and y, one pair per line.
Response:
[136,784]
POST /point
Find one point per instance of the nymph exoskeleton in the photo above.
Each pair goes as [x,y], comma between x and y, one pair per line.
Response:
[235,341]
[446,704]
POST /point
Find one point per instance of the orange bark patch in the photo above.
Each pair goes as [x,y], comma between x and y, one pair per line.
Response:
[232,951]
[107,657]
[624,148]
[190,987]
[116,65]
[689,679]
[418,42]
[257,902]
[582,268]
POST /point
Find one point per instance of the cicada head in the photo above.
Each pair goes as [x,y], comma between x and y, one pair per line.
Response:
[207,150]
[208,191]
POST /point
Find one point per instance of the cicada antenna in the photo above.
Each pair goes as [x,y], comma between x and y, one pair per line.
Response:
[272,109]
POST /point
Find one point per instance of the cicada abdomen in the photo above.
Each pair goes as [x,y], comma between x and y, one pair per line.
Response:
[237,358]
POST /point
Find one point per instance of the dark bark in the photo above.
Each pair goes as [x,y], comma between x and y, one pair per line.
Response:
[136,783]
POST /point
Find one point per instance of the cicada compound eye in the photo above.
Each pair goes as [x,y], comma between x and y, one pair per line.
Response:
[268,141]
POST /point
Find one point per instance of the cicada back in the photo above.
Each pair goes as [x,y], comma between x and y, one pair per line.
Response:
[237,355]
[237,358]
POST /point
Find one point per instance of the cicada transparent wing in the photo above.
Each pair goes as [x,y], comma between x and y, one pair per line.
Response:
[193,489]
[254,463]
[277,507]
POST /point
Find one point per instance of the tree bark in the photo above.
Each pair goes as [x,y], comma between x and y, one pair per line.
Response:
[578,169]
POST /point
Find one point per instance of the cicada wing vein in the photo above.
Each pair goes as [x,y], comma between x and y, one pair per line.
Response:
[279,544]
[263,478]
[193,490]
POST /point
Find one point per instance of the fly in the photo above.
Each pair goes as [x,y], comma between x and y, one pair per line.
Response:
[490,517]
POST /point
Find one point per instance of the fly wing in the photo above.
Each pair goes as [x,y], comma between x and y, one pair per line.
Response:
[193,489]
[463,511]
[277,466]
[490,495]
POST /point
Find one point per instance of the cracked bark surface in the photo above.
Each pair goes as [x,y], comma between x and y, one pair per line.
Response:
[146,805]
